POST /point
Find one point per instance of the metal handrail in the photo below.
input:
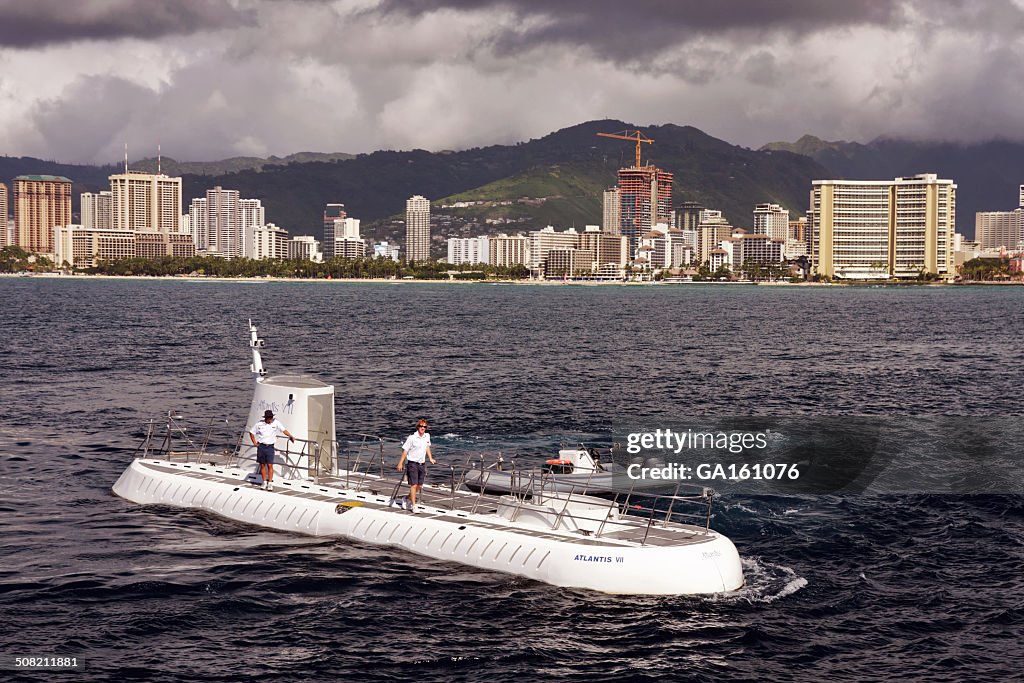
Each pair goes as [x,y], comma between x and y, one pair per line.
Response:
[527,485]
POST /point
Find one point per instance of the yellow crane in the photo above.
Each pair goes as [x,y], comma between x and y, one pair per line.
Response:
[630,135]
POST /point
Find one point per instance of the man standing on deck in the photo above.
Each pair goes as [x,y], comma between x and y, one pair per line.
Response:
[263,435]
[415,452]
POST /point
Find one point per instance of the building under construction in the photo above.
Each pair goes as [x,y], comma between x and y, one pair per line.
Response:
[645,195]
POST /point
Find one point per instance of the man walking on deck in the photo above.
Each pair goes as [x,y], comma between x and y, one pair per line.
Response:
[263,435]
[415,452]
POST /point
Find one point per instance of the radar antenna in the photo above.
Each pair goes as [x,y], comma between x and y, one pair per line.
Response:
[256,343]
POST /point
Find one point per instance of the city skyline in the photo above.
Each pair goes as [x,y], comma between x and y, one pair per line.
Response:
[219,78]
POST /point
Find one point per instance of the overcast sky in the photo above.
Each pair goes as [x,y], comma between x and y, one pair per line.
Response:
[209,79]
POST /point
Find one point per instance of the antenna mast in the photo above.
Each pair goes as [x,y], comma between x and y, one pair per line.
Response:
[256,344]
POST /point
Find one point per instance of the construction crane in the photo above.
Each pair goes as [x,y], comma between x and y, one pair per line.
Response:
[630,135]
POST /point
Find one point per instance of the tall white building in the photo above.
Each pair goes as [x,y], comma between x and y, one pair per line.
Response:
[198,224]
[347,243]
[96,210]
[470,250]
[868,229]
[612,209]
[224,223]
[145,202]
[417,229]
[252,216]
[269,242]
[305,248]
[771,220]
[998,229]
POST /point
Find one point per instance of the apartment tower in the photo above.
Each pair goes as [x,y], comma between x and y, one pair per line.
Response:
[96,210]
[41,203]
[224,223]
[610,224]
[417,229]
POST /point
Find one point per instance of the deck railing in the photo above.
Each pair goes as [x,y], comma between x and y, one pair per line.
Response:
[364,462]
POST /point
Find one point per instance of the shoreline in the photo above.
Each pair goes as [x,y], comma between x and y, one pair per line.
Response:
[543,283]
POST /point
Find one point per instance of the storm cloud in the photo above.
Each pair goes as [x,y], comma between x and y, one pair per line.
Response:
[217,78]
[33,23]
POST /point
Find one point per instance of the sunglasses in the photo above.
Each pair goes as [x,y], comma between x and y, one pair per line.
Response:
[421,426]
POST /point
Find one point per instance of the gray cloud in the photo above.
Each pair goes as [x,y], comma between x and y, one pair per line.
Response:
[281,76]
[629,31]
[34,23]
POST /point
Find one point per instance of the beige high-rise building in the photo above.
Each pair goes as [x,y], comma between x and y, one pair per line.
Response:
[544,240]
[41,203]
[508,251]
[146,202]
[96,210]
[712,229]
[610,223]
[862,229]
[4,239]
[417,229]
[82,247]
[611,252]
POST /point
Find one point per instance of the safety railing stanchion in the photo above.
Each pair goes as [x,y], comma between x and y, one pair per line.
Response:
[671,503]
[649,523]
[483,488]
[452,468]
[710,496]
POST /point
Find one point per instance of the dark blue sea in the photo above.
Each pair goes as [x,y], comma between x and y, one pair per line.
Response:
[915,587]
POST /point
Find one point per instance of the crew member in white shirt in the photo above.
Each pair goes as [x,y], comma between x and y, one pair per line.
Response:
[415,452]
[263,435]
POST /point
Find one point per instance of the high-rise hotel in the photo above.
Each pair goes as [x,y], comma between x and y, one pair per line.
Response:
[145,202]
[863,229]
[41,203]
[417,229]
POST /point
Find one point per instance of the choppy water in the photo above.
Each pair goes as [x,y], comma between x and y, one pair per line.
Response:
[850,588]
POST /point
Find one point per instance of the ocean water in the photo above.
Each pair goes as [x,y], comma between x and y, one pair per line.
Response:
[912,587]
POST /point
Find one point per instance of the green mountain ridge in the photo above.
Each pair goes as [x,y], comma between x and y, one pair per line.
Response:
[559,178]
[173,167]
